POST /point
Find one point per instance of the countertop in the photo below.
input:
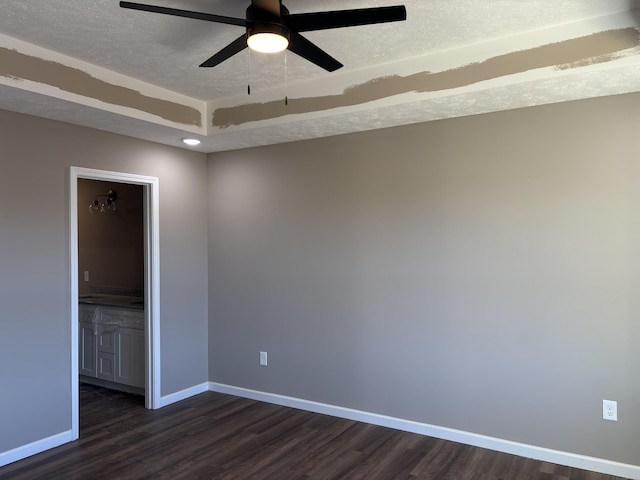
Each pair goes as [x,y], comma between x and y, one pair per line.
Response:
[117,301]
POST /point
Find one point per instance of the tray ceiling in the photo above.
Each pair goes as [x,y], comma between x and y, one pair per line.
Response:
[136,73]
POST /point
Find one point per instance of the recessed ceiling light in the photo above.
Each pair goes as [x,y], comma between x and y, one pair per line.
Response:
[191,141]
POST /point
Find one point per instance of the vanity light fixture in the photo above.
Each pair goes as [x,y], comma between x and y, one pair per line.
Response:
[192,142]
[101,206]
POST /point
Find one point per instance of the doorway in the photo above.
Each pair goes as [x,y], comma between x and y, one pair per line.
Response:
[151,281]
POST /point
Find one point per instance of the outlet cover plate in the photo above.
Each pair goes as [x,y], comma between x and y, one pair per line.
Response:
[263,359]
[610,410]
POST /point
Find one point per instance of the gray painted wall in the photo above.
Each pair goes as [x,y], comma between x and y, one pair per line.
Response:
[479,273]
[35,338]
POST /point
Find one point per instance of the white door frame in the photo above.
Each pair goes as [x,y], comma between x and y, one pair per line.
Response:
[152,282]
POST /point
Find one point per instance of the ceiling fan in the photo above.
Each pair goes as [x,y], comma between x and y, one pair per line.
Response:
[271,28]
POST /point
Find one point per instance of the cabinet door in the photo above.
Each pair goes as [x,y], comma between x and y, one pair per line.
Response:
[130,357]
[106,341]
[87,350]
[106,367]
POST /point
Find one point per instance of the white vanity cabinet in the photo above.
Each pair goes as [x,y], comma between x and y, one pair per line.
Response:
[111,345]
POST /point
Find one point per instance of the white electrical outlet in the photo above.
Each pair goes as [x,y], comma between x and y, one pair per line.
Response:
[86,275]
[610,410]
[263,359]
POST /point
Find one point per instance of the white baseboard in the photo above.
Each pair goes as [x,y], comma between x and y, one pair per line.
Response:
[183,394]
[39,446]
[573,460]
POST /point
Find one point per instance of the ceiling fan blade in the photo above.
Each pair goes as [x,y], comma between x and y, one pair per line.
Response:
[303,47]
[271,6]
[209,17]
[230,50]
[306,22]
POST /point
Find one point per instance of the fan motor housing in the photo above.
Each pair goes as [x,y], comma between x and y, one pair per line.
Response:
[276,28]
[257,15]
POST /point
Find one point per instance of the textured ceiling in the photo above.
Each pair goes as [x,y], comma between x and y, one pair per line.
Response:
[158,56]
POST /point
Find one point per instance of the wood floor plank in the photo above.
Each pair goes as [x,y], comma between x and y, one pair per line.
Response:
[215,436]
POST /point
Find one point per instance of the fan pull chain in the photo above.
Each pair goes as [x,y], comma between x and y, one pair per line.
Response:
[249,73]
[286,98]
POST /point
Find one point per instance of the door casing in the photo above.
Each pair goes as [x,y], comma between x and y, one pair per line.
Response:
[151,276]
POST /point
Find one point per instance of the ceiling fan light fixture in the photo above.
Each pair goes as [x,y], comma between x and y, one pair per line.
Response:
[268,38]
[269,27]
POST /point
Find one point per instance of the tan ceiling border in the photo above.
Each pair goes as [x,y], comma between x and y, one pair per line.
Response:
[595,48]
[19,66]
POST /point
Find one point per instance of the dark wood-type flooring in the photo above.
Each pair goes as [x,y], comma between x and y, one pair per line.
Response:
[216,436]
